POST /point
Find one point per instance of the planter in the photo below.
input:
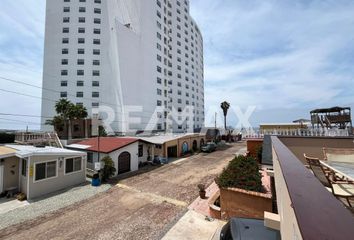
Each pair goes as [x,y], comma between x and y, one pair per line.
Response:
[202,194]
[214,205]
[235,202]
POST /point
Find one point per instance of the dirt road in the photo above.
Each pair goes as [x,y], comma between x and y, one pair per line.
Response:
[143,206]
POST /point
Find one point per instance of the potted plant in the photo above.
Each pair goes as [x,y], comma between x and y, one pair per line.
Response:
[202,191]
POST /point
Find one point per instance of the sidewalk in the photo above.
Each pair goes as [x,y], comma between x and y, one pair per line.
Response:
[194,226]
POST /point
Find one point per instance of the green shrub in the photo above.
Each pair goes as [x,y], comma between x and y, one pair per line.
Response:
[242,172]
[108,169]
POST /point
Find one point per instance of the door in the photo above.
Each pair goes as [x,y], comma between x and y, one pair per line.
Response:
[1,178]
[124,163]
[172,152]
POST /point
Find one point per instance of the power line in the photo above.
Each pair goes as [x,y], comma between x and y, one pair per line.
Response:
[23,115]
[52,90]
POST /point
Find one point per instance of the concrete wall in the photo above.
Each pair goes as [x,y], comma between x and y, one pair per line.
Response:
[252,147]
[59,182]
[236,202]
[312,146]
[11,172]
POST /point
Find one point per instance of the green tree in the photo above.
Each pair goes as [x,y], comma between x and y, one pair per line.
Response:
[108,169]
[225,107]
[66,112]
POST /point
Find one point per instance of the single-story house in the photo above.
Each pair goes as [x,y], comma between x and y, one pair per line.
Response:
[37,171]
[126,152]
[173,146]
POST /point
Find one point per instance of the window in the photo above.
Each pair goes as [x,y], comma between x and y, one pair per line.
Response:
[96,62]
[45,170]
[64,72]
[81,40]
[73,165]
[82,0]
[159,80]
[159,91]
[97,10]
[95,94]
[66,9]
[64,62]
[81,51]
[97,21]
[159,69]
[95,72]
[95,83]
[81,30]
[24,167]
[80,83]
[159,58]
[65,51]
[63,94]
[97,31]
[95,104]
[80,72]
[159,103]
[64,83]
[81,19]
[97,41]
[97,1]
[82,9]
[66,0]
[141,150]
[65,40]
[66,19]
[80,62]
[79,94]
[96,52]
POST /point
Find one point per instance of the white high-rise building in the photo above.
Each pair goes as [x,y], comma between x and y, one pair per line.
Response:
[134,61]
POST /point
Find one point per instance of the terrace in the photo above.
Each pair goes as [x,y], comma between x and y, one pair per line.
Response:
[307,210]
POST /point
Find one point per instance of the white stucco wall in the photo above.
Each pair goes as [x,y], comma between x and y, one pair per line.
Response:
[128,60]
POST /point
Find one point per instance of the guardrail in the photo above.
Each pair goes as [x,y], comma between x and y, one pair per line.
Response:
[312,132]
[307,209]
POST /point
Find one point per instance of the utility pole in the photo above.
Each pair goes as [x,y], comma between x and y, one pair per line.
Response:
[215,128]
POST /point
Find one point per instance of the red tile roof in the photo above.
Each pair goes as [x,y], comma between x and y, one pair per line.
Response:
[107,144]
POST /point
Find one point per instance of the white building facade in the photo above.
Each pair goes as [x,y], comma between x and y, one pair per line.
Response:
[137,64]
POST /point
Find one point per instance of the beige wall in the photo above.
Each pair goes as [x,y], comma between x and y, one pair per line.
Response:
[288,223]
[312,146]
[61,181]
[11,172]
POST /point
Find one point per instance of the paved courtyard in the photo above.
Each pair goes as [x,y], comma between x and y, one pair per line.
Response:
[140,206]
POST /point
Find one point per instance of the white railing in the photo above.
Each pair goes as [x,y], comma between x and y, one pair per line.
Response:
[311,132]
[40,137]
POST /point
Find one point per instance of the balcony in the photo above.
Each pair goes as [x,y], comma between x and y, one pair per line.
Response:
[307,210]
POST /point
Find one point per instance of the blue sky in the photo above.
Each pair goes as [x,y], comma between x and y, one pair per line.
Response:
[283,57]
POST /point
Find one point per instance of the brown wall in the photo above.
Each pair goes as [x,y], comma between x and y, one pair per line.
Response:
[312,146]
[253,145]
[241,203]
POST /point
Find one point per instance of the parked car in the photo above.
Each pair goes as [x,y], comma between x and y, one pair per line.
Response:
[209,147]
[247,229]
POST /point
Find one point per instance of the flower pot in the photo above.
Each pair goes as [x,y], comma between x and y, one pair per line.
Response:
[202,194]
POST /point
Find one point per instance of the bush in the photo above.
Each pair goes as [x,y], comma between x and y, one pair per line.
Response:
[108,169]
[7,137]
[242,172]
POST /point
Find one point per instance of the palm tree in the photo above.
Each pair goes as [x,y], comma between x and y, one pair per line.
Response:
[225,107]
[67,111]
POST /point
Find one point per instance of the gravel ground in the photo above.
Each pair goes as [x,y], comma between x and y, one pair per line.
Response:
[50,203]
[144,205]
